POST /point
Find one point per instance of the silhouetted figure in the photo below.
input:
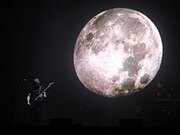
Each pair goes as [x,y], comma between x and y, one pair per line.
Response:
[35,101]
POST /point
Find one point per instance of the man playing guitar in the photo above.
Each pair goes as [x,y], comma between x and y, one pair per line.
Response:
[35,100]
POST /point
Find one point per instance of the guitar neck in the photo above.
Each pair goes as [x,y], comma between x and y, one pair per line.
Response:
[41,93]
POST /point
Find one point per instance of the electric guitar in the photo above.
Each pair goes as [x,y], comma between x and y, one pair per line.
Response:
[37,97]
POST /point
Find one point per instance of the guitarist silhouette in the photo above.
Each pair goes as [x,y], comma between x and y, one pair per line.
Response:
[35,100]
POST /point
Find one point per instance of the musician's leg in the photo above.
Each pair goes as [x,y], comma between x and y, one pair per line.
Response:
[34,115]
[39,111]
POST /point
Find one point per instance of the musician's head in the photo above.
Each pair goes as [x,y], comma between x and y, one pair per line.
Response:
[37,80]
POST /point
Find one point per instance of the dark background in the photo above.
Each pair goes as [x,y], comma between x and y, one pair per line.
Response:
[37,40]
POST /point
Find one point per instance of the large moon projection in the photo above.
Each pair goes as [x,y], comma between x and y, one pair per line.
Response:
[118,52]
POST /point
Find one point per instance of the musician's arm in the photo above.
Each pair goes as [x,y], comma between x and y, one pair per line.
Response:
[28,99]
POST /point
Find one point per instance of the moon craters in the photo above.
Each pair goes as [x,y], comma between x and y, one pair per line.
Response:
[131,65]
[139,51]
[144,79]
[128,84]
[89,37]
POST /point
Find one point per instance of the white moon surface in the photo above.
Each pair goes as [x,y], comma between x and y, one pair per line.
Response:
[118,52]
